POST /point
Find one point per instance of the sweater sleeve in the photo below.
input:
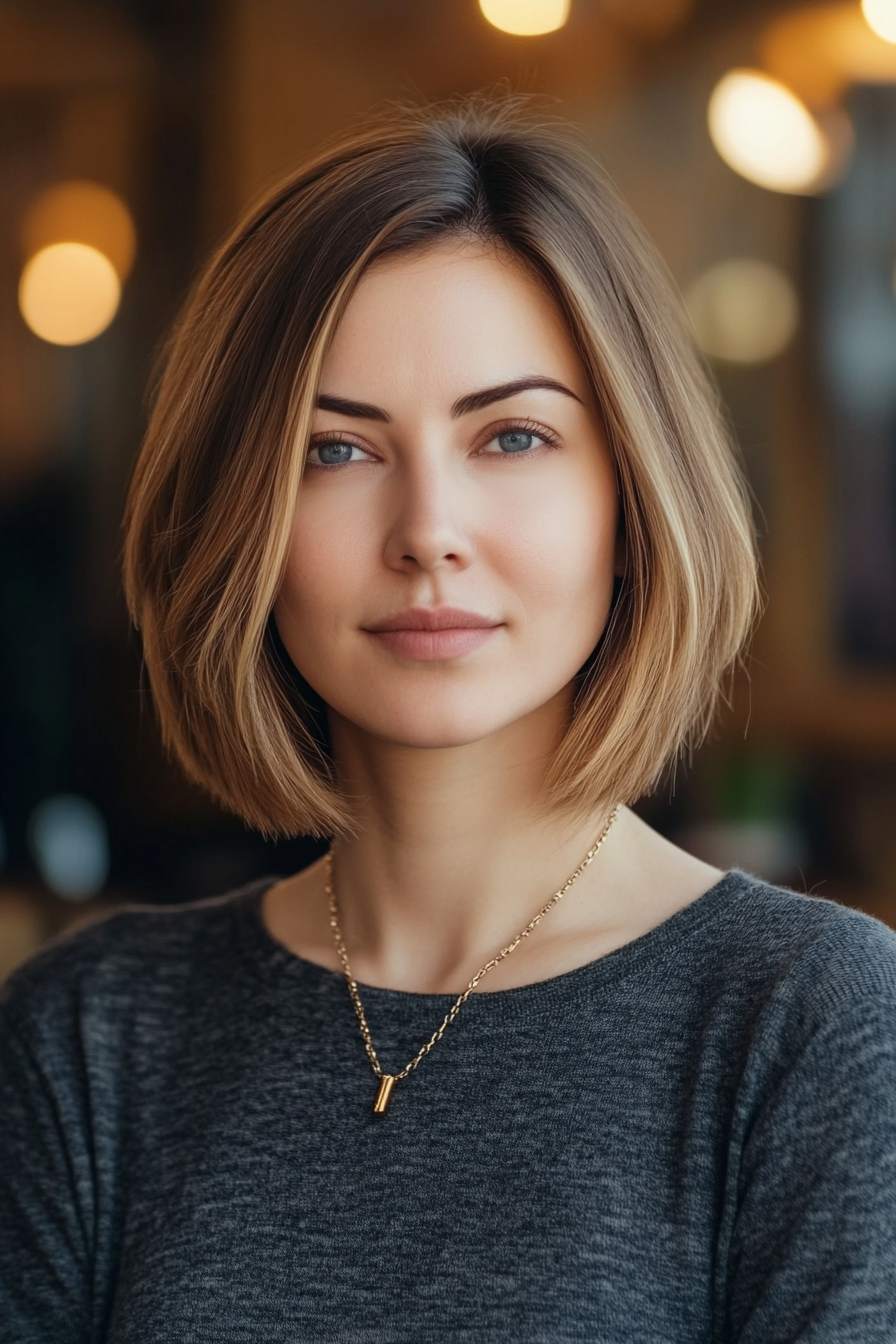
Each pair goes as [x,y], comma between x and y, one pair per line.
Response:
[813,1245]
[45,1196]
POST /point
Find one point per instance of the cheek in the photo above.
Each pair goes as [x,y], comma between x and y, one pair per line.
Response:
[324,561]
[560,545]
[310,608]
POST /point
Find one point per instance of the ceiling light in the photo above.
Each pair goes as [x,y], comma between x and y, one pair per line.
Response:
[69,293]
[766,134]
[526,18]
[881,17]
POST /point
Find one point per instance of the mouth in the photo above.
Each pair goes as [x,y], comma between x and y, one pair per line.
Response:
[428,634]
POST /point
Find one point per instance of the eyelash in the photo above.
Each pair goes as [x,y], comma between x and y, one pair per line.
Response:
[549,440]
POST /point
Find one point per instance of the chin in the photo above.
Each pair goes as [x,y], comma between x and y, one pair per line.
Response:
[433,732]
[435,723]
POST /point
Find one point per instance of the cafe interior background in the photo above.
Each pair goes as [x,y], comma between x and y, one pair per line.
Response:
[756,142]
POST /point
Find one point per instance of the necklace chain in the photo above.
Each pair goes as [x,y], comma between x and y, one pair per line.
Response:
[389,1080]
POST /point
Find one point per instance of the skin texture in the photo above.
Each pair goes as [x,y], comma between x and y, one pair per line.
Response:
[507,510]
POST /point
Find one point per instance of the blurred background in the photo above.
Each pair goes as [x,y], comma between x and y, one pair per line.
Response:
[757,143]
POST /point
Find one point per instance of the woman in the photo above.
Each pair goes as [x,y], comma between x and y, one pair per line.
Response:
[437,547]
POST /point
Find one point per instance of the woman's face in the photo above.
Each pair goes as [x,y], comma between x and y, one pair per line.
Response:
[452,559]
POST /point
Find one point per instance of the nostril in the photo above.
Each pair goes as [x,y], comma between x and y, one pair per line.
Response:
[414,559]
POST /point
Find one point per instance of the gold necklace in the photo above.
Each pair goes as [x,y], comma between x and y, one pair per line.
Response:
[388,1080]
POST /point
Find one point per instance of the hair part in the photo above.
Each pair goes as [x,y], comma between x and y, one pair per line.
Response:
[212,501]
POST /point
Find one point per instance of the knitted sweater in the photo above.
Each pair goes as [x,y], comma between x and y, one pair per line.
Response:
[691,1139]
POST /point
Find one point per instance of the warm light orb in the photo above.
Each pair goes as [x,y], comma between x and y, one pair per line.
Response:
[69,293]
[82,212]
[744,311]
[765,133]
[526,18]
[880,16]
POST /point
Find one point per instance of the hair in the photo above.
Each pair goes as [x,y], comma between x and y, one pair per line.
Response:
[213,497]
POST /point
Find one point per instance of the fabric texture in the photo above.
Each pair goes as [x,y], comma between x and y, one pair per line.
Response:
[691,1139]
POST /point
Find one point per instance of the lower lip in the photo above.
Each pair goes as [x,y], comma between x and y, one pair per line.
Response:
[430,645]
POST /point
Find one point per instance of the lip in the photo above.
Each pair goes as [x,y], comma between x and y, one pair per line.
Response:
[427,634]
[432,618]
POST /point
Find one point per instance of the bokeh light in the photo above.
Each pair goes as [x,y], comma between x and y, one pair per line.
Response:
[881,17]
[82,212]
[70,845]
[744,311]
[765,133]
[526,18]
[69,293]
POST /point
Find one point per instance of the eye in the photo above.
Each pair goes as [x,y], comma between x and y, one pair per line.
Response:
[517,439]
[334,453]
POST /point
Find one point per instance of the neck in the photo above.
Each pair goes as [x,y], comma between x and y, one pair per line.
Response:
[454,851]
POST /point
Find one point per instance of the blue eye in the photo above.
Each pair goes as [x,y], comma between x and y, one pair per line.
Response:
[332,454]
[515,440]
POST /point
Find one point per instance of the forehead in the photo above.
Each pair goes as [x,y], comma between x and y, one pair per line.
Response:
[455,316]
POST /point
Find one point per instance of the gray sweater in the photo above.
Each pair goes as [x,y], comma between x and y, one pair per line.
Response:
[692,1139]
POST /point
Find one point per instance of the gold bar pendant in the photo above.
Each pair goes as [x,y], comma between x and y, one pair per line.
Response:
[387,1082]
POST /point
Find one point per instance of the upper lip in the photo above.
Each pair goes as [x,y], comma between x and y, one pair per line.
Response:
[433,618]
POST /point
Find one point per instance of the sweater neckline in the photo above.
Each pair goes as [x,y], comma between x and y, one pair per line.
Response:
[273,961]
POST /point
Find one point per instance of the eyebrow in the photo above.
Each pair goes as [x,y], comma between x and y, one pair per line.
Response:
[477,401]
[358,410]
[473,401]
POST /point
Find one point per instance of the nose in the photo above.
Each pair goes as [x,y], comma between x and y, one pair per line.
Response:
[431,522]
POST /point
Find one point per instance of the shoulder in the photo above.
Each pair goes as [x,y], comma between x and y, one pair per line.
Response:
[807,973]
[140,954]
[744,939]
[840,953]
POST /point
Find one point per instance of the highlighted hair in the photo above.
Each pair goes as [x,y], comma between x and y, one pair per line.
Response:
[213,497]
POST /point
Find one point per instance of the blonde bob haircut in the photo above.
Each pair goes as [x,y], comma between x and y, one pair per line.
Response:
[214,492]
